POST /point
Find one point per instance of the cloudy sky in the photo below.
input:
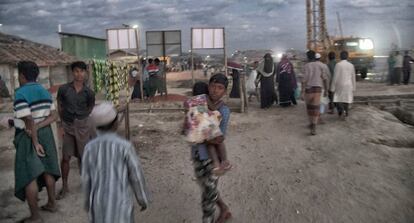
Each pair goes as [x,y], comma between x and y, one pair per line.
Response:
[250,24]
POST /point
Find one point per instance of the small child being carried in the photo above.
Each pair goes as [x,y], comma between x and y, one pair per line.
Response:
[202,125]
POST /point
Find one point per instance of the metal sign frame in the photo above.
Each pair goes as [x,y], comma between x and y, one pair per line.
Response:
[164,45]
[192,49]
[137,40]
[213,38]
[130,41]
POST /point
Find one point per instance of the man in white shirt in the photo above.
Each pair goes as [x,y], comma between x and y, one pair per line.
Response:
[343,85]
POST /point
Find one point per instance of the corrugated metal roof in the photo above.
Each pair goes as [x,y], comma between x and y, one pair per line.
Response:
[14,49]
[80,35]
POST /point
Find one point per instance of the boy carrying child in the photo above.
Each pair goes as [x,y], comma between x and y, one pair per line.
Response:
[203,124]
[203,164]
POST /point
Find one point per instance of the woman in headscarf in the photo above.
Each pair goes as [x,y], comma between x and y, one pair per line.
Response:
[235,90]
[287,82]
[266,75]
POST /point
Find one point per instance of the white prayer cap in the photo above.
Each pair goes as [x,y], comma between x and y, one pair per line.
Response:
[103,114]
[317,56]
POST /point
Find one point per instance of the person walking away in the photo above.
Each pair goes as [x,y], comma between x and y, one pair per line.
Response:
[75,103]
[286,78]
[203,164]
[110,166]
[398,67]
[36,162]
[323,100]
[331,66]
[343,85]
[315,78]
[407,67]
[251,86]
[266,75]
[391,64]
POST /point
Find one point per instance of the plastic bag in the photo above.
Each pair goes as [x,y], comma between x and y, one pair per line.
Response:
[324,104]
[201,124]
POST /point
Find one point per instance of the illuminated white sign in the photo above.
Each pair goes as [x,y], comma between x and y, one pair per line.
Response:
[207,38]
[124,38]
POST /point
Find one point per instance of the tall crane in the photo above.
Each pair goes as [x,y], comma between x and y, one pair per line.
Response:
[361,50]
[317,33]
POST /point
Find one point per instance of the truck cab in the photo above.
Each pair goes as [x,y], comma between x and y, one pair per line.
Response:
[361,52]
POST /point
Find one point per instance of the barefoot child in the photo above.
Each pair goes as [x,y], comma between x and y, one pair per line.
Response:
[203,125]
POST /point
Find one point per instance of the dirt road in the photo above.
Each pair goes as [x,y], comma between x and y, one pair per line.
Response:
[281,174]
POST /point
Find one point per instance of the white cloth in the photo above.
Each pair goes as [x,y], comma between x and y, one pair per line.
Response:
[343,83]
[110,166]
[250,82]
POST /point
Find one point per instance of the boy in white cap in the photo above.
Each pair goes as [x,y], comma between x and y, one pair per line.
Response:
[109,166]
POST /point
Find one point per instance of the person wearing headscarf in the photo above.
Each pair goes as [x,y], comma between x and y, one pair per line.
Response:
[287,82]
[235,90]
[266,76]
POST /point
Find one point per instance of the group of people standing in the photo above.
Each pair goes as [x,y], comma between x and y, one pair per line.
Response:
[399,67]
[267,74]
[153,79]
[108,163]
[333,81]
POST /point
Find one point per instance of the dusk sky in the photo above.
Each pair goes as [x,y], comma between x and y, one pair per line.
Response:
[260,24]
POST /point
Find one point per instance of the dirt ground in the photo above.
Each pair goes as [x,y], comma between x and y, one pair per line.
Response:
[360,170]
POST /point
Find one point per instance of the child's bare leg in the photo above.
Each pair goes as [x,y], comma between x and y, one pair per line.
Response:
[212,153]
[222,154]
[221,150]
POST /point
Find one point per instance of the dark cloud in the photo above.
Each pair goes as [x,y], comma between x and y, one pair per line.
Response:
[249,24]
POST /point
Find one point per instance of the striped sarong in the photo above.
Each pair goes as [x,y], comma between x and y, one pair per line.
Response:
[313,101]
[208,183]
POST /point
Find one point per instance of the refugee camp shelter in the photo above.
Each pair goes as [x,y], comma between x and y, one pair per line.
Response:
[83,47]
[123,55]
[53,64]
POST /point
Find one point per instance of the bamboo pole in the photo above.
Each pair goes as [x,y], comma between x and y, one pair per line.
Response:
[164,73]
[192,58]
[139,64]
[225,52]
